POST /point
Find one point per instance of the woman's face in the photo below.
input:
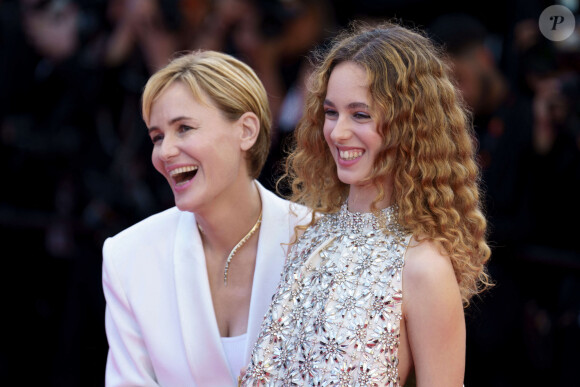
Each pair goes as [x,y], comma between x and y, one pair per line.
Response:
[196,148]
[350,129]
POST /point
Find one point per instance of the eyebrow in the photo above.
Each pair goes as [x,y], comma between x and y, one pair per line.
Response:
[352,105]
[171,122]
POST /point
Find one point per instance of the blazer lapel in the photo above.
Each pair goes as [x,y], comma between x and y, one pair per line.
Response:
[201,336]
[270,259]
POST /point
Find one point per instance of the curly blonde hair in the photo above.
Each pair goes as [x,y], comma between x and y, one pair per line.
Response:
[428,145]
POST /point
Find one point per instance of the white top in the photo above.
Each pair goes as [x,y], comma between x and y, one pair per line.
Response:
[235,347]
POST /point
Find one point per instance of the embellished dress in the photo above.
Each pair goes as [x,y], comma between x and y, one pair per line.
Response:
[335,317]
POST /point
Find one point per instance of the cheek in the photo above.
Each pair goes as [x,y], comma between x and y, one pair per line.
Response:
[327,130]
[157,163]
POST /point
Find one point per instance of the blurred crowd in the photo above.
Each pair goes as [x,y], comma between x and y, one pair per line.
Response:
[76,160]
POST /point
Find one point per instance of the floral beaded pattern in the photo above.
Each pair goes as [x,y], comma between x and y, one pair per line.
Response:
[335,317]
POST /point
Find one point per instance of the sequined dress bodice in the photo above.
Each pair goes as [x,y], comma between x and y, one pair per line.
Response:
[335,317]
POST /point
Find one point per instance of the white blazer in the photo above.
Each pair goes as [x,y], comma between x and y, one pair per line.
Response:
[160,320]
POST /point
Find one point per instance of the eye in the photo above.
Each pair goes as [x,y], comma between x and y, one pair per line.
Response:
[361,116]
[155,138]
[185,128]
[330,113]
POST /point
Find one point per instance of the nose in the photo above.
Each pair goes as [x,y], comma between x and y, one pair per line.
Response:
[169,148]
[341,130]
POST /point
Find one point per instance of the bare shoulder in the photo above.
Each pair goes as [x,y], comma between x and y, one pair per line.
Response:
[428,273]
[426,261]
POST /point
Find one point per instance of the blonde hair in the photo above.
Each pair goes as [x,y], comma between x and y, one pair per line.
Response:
[428,145]
[229,83]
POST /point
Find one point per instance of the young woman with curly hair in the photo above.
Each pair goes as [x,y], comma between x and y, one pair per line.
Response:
[374,288]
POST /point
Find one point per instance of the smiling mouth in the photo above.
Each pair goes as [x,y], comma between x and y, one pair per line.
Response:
[184,174]
[350,154]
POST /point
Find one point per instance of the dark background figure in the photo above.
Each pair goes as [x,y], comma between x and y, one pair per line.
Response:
[503,121]
[527,129]
[76,160]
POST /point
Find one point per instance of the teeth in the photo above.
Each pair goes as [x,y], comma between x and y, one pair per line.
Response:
[177,171]
[350,154]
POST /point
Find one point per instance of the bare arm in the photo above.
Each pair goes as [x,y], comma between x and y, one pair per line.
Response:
[434,318]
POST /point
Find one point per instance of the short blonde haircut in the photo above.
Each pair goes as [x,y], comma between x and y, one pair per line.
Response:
[428,145]
[230,84]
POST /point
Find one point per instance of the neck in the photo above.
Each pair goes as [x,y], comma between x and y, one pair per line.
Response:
[361,197]
[223,226]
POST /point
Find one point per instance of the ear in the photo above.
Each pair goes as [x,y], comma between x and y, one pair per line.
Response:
[250,129]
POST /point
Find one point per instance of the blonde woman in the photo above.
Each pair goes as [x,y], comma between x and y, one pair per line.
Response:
[373,291]
[187,289]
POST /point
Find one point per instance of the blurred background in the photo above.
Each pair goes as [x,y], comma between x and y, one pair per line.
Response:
[75,159]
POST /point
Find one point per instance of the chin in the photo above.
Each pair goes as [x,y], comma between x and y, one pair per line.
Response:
[182,207]
[349,179]
[185,205]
